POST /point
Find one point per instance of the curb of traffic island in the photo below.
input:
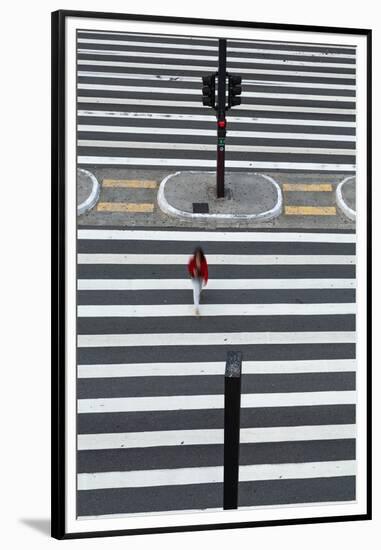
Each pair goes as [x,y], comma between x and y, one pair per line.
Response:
[347,211]
[172,211]
[92,199]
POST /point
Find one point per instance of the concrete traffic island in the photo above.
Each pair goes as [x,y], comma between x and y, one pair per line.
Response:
[346,197]
[192,195]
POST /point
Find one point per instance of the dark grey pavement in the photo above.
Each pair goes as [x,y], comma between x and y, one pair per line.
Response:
[146,395]
[281,290]
[140,105]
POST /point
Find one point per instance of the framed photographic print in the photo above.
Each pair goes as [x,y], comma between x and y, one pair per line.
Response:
[211,186]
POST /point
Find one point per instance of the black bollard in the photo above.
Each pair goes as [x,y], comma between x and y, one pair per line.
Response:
[231,428]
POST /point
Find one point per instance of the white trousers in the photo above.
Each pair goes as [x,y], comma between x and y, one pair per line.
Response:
[197,287]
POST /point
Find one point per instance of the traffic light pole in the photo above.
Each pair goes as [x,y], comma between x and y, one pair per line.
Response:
[209,100]
[221,118]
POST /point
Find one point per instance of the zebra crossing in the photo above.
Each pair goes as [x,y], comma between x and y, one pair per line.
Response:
[150,382]
[139,104]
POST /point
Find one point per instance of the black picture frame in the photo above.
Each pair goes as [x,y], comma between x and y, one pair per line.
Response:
[59,246]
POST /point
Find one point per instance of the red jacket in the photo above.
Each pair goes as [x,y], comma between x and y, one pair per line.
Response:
[203,272]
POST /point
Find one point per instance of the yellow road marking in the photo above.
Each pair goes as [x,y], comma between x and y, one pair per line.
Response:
[307,187]
[125,207]
[310,210]
[136,184]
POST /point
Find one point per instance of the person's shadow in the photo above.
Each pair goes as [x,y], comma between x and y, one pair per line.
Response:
[41,525]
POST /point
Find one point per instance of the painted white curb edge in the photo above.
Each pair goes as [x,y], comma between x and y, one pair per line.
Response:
[351,214]
[92,199]
[172,211]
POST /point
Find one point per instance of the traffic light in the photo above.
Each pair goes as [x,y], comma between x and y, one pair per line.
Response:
[235,90]
[209,91]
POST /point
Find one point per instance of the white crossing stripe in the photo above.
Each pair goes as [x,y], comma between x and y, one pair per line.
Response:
[212,68]
[213,368]
[214,474]
[309,45]
[212,147]
[213,58]
[123,161]
[171,438]
[214,338]
[210,310]
[206,118]
[201,132]
[243,107]
[123,370]
[197,402]
[218,259]
[209,236]
[248,82]
[195,91]
[215,284]
[215,48]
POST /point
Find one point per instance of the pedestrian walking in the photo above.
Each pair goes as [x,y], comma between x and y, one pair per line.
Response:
[198,270]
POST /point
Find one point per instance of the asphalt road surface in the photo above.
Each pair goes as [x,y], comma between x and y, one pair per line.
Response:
[140,106]
[151,374]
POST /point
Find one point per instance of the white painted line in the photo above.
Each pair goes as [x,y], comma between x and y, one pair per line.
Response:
[214,284]
[207,119]
[150,35]
[189,40]
[214,48]
[194,104]
[212,147]
[150,369]
[198,402]
[298,471]
[92,199]
[213,368]
[218,259]
[215,310]
[248,82]
[214,474]
[156,35]
[216,236]
[149,478]
[214,339]
[192,163]
[200,132]
[189,511]
[195,91]
[301,85]
[348,212]
[213,58]
[212,68]
[174,438]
